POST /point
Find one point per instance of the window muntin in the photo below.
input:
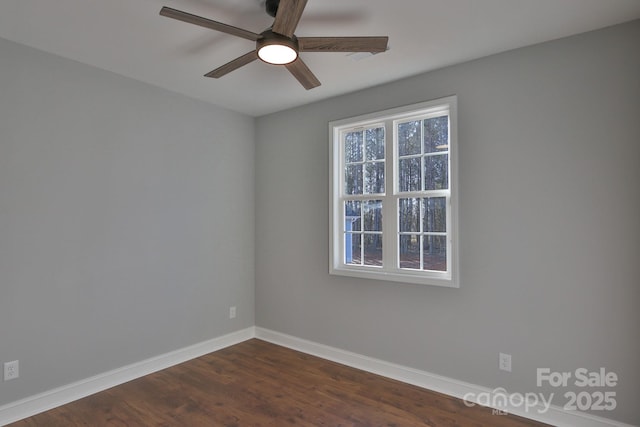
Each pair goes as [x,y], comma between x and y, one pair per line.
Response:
[364,162]
[363,232]
[393,204]
[423,154]
[423,231]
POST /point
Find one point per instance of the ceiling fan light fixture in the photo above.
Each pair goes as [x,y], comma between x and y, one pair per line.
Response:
[277,54]
[276,49]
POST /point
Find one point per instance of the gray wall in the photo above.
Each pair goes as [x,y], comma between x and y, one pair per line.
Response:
[126,220]
[549,154]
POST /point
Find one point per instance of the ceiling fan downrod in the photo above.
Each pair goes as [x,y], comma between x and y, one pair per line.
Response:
[272,7]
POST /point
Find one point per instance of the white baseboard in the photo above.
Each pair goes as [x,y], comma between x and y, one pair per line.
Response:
[62,395]
[555,415]
[33,405]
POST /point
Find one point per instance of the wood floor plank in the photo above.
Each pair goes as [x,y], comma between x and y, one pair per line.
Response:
[256,383]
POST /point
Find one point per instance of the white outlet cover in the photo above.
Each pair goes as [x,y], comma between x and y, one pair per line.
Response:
[11,370]
[504,362]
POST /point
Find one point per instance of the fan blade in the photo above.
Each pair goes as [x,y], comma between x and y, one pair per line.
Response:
[208,23]
[342,44]
[304,75]
[288,16]
[233,65]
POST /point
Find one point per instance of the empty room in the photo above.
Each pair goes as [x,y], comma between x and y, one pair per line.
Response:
[320,213]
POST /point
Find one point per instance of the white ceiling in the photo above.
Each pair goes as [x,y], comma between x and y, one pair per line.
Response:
[129,37]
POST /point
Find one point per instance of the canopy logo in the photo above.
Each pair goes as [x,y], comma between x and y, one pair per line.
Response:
[585,400]
[500,400]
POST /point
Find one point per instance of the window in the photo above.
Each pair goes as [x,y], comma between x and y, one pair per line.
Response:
[393,205]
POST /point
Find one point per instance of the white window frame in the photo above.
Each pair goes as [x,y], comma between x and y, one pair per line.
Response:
[390,270]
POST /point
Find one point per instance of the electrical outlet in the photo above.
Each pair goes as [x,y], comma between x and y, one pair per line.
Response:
[504,362]
[232,312]
[11,370]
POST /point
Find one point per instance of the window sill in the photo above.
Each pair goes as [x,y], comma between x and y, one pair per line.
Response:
[402,276]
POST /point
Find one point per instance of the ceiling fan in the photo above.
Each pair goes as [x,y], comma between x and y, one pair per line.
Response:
[278,45]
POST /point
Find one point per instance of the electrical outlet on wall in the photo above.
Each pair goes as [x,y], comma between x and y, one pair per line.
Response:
[232,312]
[11,370]
[504,362]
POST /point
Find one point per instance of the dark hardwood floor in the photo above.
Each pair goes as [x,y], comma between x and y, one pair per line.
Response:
[256,383]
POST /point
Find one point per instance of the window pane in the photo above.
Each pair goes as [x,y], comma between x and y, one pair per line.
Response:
[435,253]
[374,178]
[409,251]
[352,216]
[353,147]
[373,249]
[352,249]
[372,212]
[436,172]
[409,174]
[409,138]
[435,214]
[353,179]
[436,134]
[409,215]
[375,144]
